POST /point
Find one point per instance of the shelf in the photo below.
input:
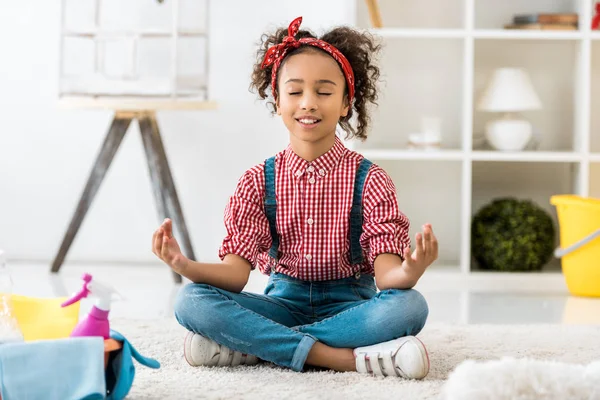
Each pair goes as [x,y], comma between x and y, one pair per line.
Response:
[509,34]
[595,35]
[119,34]
[552,268]
[517,34]
[443,268]
[526,156]
[595,157]
[439,279]
[386,154]
[418,33]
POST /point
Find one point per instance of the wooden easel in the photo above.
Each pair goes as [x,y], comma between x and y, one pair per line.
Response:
[165,193]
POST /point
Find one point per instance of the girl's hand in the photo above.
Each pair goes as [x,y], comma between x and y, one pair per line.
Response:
[165,246]
[424,255]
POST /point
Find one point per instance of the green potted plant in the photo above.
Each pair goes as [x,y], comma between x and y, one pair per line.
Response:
[510,234]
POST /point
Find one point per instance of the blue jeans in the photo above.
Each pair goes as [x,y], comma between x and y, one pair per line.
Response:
[282,324]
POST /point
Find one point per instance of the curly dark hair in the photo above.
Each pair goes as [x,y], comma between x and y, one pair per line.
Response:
[360,48]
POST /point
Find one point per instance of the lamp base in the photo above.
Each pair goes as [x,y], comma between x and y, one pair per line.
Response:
[509,133]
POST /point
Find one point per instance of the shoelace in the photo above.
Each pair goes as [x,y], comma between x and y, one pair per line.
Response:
[377,363]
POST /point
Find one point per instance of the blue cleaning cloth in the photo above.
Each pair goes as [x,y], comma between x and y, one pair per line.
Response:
[121,369]
[70,368]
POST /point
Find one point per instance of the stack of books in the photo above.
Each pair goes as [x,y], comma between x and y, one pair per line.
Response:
[559,21]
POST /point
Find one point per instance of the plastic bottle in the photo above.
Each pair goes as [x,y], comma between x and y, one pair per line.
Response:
[9,328]
[96,323]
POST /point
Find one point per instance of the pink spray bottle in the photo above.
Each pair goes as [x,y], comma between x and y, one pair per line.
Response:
[96,323]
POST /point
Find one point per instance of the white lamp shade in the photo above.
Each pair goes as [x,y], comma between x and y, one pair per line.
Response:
[509,89]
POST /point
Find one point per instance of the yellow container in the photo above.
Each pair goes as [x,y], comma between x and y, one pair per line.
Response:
[579,220]
[44,318]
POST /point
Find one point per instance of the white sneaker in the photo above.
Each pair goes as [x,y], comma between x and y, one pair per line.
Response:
[201,351]
[405,357]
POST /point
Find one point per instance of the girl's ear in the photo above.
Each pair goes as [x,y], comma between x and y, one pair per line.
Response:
[346,108]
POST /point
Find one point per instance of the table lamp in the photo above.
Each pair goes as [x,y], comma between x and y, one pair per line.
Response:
[509,91]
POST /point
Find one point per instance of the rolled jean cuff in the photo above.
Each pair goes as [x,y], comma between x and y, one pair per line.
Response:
[301,352]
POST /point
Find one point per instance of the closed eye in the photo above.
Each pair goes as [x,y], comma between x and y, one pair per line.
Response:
[325,94]
[294,93]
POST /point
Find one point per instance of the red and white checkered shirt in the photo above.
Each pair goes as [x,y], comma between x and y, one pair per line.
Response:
[313,216]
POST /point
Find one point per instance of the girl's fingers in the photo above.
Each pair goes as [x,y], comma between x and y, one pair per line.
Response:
[420,250]
[154,238]
[408,258]
[169,228]
[427,239]
[165,248]
[406,255]
[165,227]
[153,241]
[158,243]
[432,244]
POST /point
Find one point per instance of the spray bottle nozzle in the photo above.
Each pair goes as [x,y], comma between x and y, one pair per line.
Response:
[93,288]
[84,292]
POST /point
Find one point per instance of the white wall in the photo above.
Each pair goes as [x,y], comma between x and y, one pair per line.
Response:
[46,154]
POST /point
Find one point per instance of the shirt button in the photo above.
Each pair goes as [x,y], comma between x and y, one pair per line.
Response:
[311,169]
[308,257]
[311,180]
[322,172]
[298,173]
[310,221]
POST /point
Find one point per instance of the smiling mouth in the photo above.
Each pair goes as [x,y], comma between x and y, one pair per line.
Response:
[308,121]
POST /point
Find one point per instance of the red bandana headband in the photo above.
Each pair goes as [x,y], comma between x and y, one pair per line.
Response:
[276,54]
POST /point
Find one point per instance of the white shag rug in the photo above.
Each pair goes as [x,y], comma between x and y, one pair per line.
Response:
[448,346]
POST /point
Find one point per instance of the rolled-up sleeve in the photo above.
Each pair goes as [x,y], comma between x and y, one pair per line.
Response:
[385,228]
[247,227]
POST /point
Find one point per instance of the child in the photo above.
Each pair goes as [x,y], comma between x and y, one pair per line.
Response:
[320,220]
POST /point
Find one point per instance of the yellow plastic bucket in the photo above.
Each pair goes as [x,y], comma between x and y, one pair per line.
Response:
[44,318]
[579,221]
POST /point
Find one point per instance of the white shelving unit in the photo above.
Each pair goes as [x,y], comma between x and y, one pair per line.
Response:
[436,61]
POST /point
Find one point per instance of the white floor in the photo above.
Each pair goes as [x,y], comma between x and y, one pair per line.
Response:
[148,292]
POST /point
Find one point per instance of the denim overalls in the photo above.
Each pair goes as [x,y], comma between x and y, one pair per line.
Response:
[282,324]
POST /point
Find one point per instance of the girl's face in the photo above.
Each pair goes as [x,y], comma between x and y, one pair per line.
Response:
[311,97]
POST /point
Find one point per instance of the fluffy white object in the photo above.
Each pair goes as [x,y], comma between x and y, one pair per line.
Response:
[520,379]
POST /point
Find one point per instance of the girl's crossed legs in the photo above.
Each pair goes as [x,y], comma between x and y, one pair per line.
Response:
[296,322]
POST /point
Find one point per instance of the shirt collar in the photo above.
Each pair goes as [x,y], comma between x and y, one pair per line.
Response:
[322,165]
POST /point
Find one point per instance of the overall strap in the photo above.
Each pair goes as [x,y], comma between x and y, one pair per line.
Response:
[356,214]
[271,205]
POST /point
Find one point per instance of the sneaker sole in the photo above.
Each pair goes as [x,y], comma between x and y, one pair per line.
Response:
[187,344]
[424,352]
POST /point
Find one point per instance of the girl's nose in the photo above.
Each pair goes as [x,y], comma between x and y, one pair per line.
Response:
[309,102]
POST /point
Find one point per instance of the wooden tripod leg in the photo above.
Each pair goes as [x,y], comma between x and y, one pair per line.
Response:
[149,127]
[374,13]
[111,144]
